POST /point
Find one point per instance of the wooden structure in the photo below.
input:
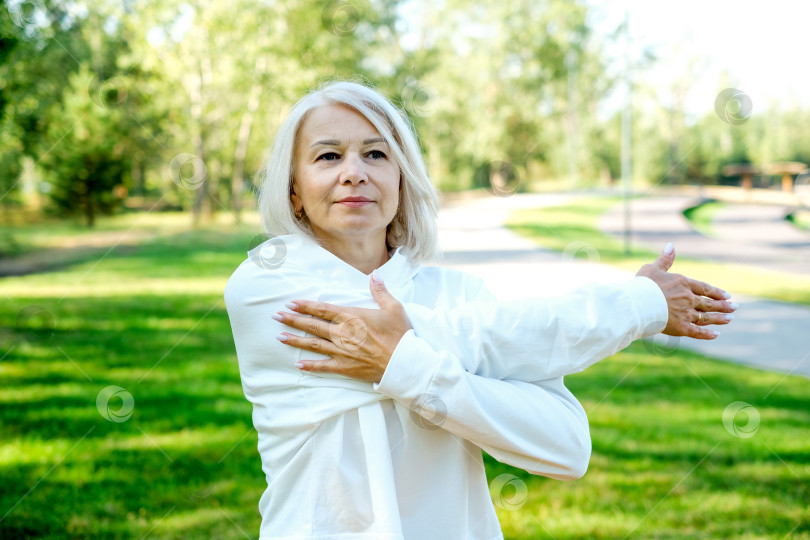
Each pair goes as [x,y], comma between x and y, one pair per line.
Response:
[786,169]
[745,171]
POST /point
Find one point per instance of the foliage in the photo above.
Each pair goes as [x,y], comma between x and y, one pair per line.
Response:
[192,93]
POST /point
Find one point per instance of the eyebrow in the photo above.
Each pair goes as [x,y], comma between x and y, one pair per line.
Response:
[335,142]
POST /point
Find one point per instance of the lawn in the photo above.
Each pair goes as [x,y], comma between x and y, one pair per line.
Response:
[151,321]
[574,225]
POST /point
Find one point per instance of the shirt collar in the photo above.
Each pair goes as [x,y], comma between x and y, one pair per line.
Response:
[301,253]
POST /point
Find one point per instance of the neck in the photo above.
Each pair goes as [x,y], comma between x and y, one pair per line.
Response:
[364,254]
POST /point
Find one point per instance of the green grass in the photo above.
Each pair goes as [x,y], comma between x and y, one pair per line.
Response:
[702,216]
[185,464]
[572,228]
[800,219]
[45,232]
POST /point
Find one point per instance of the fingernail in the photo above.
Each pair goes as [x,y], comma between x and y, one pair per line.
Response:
[726,295]
[282,338]
[734,306]
[716,333]
[299,365]
[292,305]
[278,317]
[729,317]
[376,277]
[669,248]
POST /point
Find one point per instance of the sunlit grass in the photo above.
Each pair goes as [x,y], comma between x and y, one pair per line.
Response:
[126,228]
[800,218]
[575,224]
[664,465]
[185,464]
[702,216]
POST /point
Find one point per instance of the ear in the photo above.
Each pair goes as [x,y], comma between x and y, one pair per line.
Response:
[295,199]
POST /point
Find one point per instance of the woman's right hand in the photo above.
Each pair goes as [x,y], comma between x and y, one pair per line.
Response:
[692,304]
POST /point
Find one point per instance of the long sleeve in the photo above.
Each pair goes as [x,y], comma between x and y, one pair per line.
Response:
[537,339]
[539,427]
[491,372]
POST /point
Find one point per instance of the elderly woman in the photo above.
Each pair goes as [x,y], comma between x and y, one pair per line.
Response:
[376,381]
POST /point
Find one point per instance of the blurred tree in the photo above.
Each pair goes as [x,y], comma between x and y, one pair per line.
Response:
[87,160]
[38,47]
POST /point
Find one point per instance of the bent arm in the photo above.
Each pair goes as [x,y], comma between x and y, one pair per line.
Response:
[538,426]
[543,338]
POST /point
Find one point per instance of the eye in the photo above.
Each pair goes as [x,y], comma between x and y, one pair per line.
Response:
[328,156]
[376,154]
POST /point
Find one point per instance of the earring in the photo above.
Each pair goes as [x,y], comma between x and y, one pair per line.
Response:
[299,214]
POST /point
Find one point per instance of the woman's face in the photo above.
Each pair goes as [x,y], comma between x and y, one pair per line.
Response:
[346,180]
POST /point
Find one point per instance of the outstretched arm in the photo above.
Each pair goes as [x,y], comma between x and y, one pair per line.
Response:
[525,340]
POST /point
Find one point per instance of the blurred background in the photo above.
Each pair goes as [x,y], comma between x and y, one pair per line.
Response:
[570,141]
[115,106]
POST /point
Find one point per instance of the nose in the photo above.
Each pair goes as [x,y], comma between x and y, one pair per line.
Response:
[354,170]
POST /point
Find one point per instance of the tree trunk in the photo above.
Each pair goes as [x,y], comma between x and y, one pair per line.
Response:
[245,126]
[196,110]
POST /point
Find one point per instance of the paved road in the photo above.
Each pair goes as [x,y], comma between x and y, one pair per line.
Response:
[765,334]
[750,234]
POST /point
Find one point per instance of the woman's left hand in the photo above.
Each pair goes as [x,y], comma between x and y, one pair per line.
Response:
[358,341]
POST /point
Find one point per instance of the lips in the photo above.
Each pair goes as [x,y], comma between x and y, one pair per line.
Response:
[355,200]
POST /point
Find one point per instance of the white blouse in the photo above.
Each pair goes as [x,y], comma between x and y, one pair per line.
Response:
[401,459]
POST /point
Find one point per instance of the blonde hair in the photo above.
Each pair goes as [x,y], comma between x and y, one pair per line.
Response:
[414,226]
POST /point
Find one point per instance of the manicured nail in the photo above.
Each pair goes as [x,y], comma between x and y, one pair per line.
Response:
[278,317]
[669,248]
[376,277]
[299,365]
[726,295]
[734,306]
[715,333]
[282,338]
[729,317]
[292,305]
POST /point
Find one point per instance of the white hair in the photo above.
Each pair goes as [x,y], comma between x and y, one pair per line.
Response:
[414,226]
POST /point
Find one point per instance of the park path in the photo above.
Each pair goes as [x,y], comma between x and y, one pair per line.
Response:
[765,334]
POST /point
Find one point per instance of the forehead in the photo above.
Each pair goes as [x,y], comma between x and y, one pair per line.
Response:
[335,122]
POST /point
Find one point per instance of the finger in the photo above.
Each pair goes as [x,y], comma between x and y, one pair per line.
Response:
[310,325]
[701,332]
[322,310]
[313,344]
[715,318]
[328,365]
[708,305]
[380,292]
[666,258]
[704,289]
